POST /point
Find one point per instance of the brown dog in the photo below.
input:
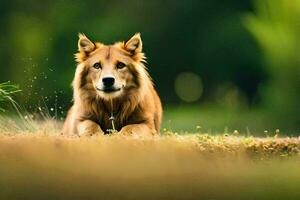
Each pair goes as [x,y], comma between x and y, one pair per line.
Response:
[113,90]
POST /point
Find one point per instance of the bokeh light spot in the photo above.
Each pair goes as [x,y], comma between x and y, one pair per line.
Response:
[188,86]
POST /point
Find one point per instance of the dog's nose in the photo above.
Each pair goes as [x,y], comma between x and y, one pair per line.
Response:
[108,81]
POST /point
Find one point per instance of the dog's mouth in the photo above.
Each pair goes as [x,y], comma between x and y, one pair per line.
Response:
[108,89]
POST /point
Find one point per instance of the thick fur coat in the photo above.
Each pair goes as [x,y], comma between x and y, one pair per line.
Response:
[112,80]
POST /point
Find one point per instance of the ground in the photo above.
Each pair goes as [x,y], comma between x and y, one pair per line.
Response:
[46,165]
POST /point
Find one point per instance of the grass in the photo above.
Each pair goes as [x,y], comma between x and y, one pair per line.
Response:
[214,119]
[46,165]
[36,162]
[6,91]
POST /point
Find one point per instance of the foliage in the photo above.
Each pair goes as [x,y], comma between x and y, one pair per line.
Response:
[6,91]
[205,37]
[275,26]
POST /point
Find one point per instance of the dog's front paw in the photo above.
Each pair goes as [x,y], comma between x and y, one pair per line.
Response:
[126,131]
[137,130]
[89,128]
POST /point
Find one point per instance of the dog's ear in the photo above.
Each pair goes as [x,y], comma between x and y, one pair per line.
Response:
[134,44]
[85,45]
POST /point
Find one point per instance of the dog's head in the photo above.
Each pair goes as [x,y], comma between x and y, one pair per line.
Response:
[111,70]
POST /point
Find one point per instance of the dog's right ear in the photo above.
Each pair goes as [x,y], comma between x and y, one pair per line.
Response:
[85,47]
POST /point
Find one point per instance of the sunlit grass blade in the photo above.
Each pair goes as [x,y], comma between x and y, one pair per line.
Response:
[6,91]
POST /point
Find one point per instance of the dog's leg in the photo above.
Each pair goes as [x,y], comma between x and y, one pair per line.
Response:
[89,128]
[138,129]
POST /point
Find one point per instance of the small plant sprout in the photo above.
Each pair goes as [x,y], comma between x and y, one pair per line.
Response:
[277,131]
[226,134]
[198,128]
[266,132]
[248,131]
[236,133]
[226,130]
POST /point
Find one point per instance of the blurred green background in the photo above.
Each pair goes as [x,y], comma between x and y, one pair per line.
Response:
[219,66]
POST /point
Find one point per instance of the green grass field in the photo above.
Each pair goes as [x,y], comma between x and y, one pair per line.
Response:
[214,119]
[44,165]
[216,157]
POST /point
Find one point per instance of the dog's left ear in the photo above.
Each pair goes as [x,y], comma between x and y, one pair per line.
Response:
[134,44]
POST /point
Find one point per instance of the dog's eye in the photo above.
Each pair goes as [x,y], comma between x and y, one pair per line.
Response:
[120,65]
[97,66]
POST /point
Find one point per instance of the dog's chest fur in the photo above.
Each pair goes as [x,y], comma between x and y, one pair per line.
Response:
[124,113]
